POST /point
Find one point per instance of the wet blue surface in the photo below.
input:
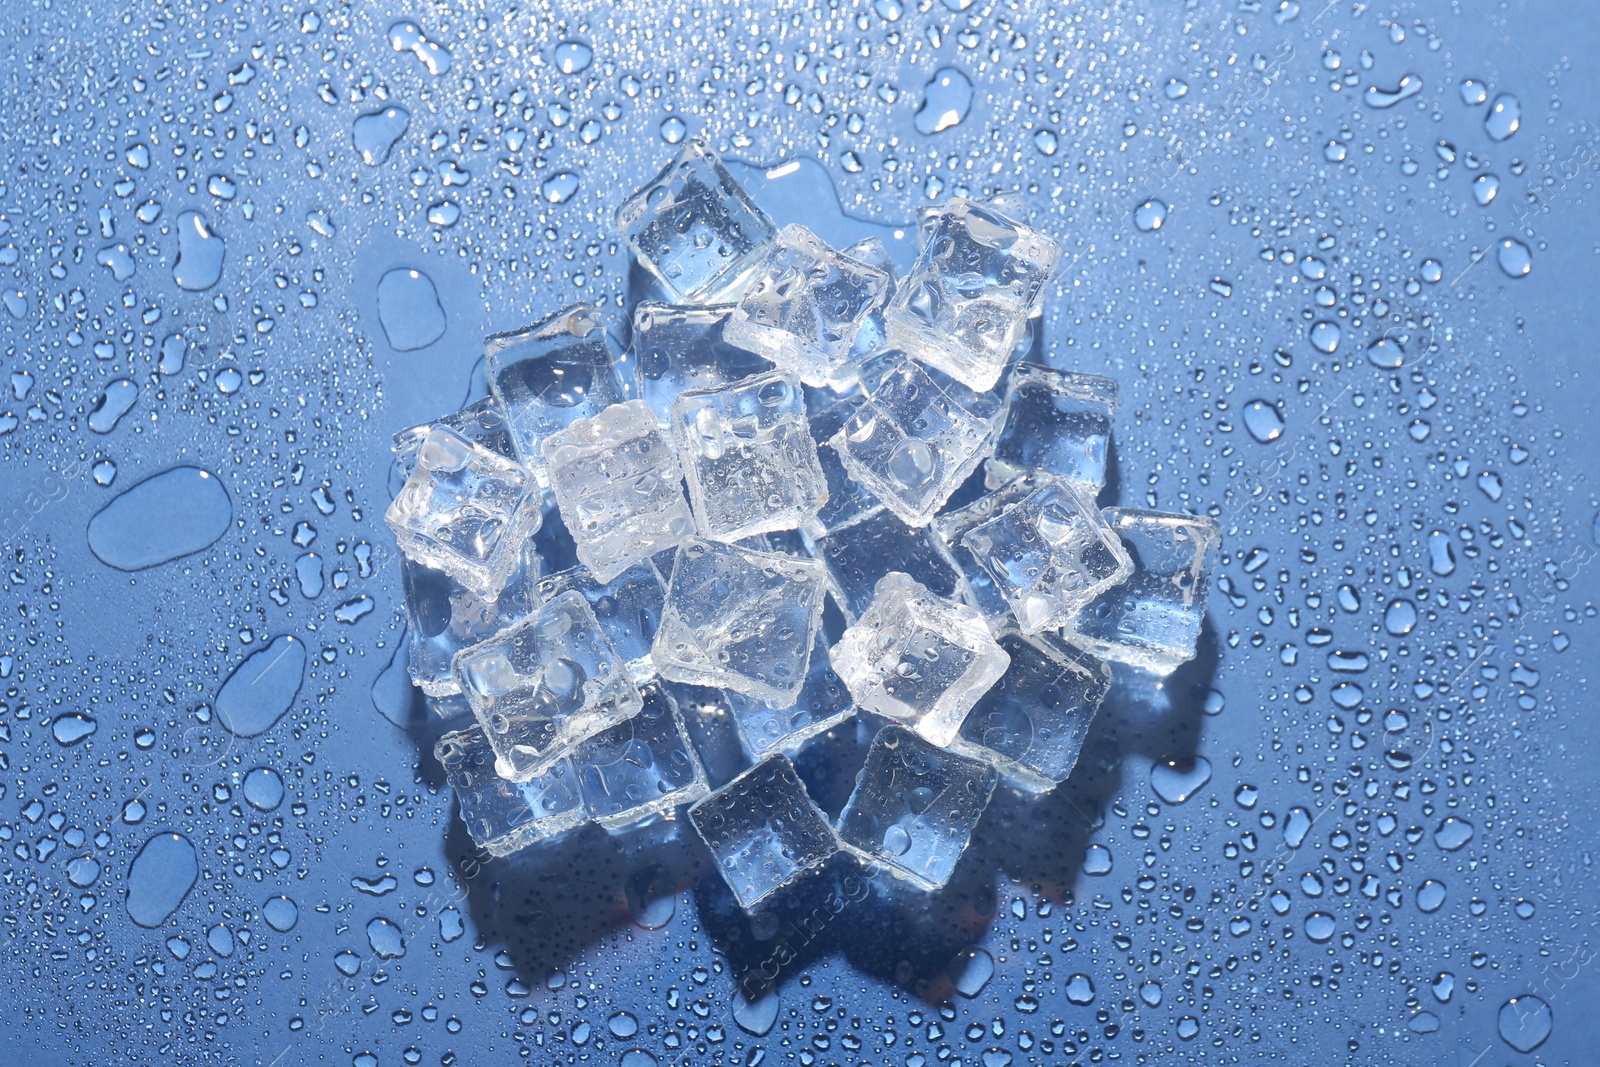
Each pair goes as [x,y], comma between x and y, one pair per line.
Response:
[1341,261]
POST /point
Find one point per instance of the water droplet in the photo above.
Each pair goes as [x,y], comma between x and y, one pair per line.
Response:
[1080,989]
[1176,89]
[1504,117]
[161,876]
[407,36]
[1263,421]
[1325,336]
[262,687]
[281,913]
[1430,896]
[1400,617]
[1150,216]
[71,727]
[114,403]
[755,1016]
[1524,1022]
[970,970]
[1441,554]
[1295,827]
[200,254]
[376,133]
[1453,833]
[1408,86]
[652,896]
[444,214]
[166,516]
[1175,780]
[573,56]
[1319,927]
[1514,257]
[408,310]
[1097,860]
[263,789]
[385,939]
[1485,187]
[945,102]
[558,188]
[673,129]
[117,260]
[1473,92]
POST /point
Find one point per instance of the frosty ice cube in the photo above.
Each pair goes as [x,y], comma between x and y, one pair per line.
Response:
[628,609]
[445,617]
[681,347]
[503,816]
[914,807]
[966,302]
[695,229]
[748,457]
[640,769]
[465,511]
[482,423]
[1152,618]
[740,619]
[803,308]
[857,555]
[545,684]
[763,830]
[824,702]
[977,588]
[918,659]
[549,375]
[1049,554]
[1031,725]
[1057,422]
[618,486]
[915,440]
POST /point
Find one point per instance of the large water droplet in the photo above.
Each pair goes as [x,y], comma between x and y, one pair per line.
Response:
[161,876]
[1150,215]
[1408,86]
[755,1016]
[573,56]
[1504,117]
[262,687]
[1325,336]
[945,102]
[1430,896]
[263,789]
[1514,257]
[1080,989]
[970,970]
[386,940]
[1524,1022]
[166,516]
[408,309]
[71,727]
[200,254]
[407,36]
[114,403]
[1400,617]
[1453,833]
[281,913]
[1319,927]
[1175,780]
[652,896]
[1263,421]
[376,132]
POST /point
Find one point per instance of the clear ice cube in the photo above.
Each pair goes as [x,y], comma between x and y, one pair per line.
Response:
[679,347]
[465,511]
[804,307]
[965,304]
[618,486]
[740,619]
[1057,422]
[640,769]
[915,440]
[500,815]
[1152,618]
[445,617]
[545,684]
[1032,724]
[1049,554]
[858,554]
[628,609]
[548,375]
[763,830]
[748,457]
[914,807]
[482,423]
[977,587]
[695,229]
[824,702]
[917,658]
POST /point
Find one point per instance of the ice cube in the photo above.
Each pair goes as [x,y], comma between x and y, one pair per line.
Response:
[748,457]
[640,769]
[804,307]
[914,807]
[681,347]
[740,619]
[482,423]
[857,555]
[628,609]
[977,588]
[695,229]
[618,486]
[915,440]
[1049,554]
[548,375]
[918,659]
[1057,422]
[500,815]
[1032,724]
[824,702]
[465,511]
[545,684]
[1152,618]
[763,830]
[965,304]
[445,617]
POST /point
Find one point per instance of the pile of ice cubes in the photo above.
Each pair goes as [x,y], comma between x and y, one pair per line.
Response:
[792,426]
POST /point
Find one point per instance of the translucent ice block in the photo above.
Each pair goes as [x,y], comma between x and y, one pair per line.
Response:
[914,807]
[679,347]
[918,659]
[549,375]
[695,228]
[545,684]
[1049,554]
[977,587]
[748,457]
[763,830]
[740,619]
[1152,619]
[503,816]
[445,617]
[804,307]
[640,769]
[1031,725]
[824,702]
[482,423]
[1057,422]
[618,486]
[857,555]
[965,304]
[915,440]
[465,511]
[628,609]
